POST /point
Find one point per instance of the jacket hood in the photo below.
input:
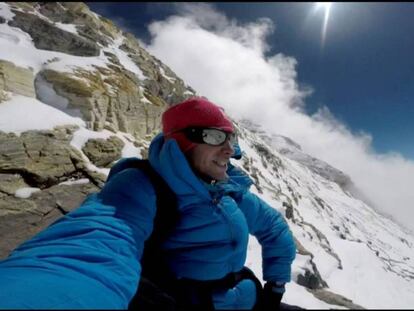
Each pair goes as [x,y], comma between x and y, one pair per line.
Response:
[168,160]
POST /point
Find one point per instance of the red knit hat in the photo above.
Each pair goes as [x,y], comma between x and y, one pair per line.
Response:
[195,111]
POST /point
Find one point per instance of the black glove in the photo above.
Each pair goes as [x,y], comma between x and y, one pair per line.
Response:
[272,295]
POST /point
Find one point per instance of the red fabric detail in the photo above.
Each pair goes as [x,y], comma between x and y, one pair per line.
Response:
[182,141]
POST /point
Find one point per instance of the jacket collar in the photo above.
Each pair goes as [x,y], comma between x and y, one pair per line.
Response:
[168,160]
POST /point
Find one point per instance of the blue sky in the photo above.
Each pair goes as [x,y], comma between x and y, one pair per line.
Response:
[364,71]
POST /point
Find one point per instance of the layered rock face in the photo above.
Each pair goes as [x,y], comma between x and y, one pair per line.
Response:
[16,79]
[124,90]
[42,161]
[47,37]
[110,95]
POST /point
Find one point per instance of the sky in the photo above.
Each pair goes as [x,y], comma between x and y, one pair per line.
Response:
[363,71]
[340,98]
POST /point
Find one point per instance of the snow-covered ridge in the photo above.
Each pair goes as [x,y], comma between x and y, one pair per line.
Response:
[293,150]
[350,243]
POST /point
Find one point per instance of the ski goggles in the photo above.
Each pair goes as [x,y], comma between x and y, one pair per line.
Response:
[209,136]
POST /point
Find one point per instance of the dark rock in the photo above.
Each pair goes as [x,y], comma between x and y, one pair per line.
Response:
[312,279]
[20,219]
[87,25]
[47,37]
[56,12]
[42,158]
[301,249]
[309,280]
[289,210]
[102,152]
[16,79]
[9,183]
[335,299]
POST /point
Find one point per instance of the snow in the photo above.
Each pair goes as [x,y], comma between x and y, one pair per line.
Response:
[47,95]
[299,296]
[5,12]
[187,92]
[366,271]
[75,181]
[21,113]
[16,45]
[129,149]
[67,27]
[170,79]
[24,193]
[295,294]
[68,63]
[81,136]
[349,264]
[124,59]
[143,98]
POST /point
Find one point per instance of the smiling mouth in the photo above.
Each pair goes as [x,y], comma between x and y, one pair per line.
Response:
[222,164]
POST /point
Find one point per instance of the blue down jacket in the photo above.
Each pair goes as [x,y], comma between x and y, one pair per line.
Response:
[90,258]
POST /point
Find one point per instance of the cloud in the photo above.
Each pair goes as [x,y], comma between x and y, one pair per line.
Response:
[226,61]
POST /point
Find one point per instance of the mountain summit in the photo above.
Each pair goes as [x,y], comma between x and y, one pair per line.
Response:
[77,94]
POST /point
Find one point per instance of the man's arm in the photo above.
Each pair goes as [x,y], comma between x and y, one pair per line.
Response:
[90,257]
[274,235]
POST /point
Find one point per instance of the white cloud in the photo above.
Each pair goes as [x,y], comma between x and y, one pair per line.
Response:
[225,61]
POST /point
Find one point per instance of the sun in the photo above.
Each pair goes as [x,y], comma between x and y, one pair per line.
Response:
[326,6]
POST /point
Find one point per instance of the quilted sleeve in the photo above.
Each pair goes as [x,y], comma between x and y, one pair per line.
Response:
[89,258]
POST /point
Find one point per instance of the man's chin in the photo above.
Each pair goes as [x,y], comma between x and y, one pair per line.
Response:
[222,177]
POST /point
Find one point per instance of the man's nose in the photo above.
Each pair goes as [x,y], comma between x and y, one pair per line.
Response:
[228,148]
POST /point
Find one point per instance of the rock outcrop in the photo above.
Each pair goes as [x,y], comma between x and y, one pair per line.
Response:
[42,158]
[16,79]
[102,152]
[109,97]
[47,37]
[22,218]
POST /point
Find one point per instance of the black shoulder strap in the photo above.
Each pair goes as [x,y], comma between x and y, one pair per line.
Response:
[166,216]
[153,262]
[155,274]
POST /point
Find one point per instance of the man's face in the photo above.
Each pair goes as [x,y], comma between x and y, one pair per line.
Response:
[211,161]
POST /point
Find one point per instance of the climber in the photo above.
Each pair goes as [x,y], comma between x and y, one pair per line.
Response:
[91,257]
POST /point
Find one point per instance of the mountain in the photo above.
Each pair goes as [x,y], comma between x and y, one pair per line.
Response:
[77,94]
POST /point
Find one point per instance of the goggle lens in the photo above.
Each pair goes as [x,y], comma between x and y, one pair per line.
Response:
[210,136]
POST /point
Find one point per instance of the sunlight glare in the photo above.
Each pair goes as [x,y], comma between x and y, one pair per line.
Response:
[327,7]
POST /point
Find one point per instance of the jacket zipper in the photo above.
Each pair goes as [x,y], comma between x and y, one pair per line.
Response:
[225,217]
